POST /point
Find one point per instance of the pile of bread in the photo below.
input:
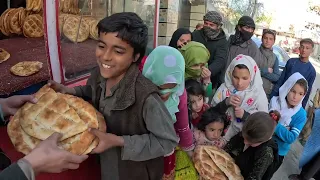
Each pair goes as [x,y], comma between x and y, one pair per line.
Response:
[22,21]
[213,163]
[55,112]
[77,28]
[34,5]
[69,6]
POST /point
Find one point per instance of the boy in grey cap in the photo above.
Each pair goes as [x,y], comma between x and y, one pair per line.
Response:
[214,38]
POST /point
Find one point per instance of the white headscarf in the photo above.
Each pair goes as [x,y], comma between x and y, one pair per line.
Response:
[280,104]
[253,98]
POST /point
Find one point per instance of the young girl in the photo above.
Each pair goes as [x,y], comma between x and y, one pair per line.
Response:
[196,96]
[253,149]
[210,128]
[293,116]
[196,56]
[241,94]
[165,67]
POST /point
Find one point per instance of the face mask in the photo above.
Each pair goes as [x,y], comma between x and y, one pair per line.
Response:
[210,33]
[171,102]
[246,35]
[193,73]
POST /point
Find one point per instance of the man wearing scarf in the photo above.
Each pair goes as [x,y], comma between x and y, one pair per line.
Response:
[269,65]
[241,43]
[214,38]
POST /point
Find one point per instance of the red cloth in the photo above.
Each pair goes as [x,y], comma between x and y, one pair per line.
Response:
[169,166]
[142,63]
[89,169]
[196,120]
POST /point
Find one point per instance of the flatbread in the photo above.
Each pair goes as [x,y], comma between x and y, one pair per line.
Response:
[26,68]
[4,55]
[77,144]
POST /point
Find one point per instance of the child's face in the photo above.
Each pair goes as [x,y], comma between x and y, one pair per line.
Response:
[196,102]
[214,130]
[165,90]
[241,78]
[305,50]
[295,95]
[114,56]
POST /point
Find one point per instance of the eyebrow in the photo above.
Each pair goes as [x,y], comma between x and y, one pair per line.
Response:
[115,46]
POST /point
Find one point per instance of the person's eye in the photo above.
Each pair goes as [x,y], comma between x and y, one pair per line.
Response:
[119,52]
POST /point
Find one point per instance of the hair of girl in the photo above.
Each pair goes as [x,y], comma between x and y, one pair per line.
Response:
[194,87]
[259,127]
[212,115]
[303,83]
[242,66]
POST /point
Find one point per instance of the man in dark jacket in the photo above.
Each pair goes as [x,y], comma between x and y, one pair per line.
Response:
[214,38]
[241,42]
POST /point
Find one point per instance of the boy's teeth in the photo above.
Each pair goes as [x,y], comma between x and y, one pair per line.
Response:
[106,66]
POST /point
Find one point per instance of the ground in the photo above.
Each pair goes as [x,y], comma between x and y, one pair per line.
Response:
[291,161]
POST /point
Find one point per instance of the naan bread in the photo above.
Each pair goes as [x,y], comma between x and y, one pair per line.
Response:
[4,55]
[214,163]
[25,143]
[26,68]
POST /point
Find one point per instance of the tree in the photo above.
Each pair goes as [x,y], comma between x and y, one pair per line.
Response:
[264,18]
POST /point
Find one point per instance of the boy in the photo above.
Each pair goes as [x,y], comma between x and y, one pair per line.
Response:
[139,128]
[301,65]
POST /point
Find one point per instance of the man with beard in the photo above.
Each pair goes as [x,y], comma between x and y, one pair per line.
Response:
[214,38]
[241,43]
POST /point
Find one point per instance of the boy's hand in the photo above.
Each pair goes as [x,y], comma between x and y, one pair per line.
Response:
[61,88]
[270,70]
[238,112]
[233,100]
[106,141]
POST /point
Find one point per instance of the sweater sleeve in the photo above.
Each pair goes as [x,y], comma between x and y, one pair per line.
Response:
[296,125]
[219,59]
[275,75]
[161,139]
[281,80]
[310,83]
[182,125]
[261,164]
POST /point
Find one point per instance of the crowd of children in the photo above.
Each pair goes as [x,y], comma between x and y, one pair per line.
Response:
[171,106]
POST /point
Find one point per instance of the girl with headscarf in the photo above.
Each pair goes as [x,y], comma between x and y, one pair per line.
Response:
[179,38]
[241,94]
[293,115]
[196,56]
[269,65]
[165,67]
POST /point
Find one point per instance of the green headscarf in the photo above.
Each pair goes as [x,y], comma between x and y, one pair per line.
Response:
[194,53]
[166,65]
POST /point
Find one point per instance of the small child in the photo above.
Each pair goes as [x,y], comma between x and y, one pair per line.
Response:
[210,128]
[293,115]
[253,149]
[197,103]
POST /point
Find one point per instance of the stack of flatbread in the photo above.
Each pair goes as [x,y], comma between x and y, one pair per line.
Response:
[213,163]
[55,112]
[20,21]
[34,5]
[69,6]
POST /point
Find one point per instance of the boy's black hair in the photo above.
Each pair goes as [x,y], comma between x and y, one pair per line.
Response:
[193,87]
[213,115]
[130,28]
[307,41]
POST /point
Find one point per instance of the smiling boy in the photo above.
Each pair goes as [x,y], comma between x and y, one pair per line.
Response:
[301,65]
[139,128]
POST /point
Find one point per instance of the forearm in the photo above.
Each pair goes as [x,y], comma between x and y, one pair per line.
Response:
[82,91]
[22,170]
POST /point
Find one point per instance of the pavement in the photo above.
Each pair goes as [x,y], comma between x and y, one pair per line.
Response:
[291,161]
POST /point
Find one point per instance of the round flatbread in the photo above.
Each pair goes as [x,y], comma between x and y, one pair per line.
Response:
[71,27]
[4,55]
[26,68]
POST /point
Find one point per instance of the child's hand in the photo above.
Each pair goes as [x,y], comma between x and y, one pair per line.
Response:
[206,74]
[61,88]
[270,70]
[238,112]
[233,100]
[190,154]
[106,141]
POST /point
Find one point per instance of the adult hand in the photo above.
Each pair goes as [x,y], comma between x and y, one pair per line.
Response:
[270,70]
[11,104]
[106,141]
[61,88]
[233,100]
[205,74]
[238,112]
[48,157]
